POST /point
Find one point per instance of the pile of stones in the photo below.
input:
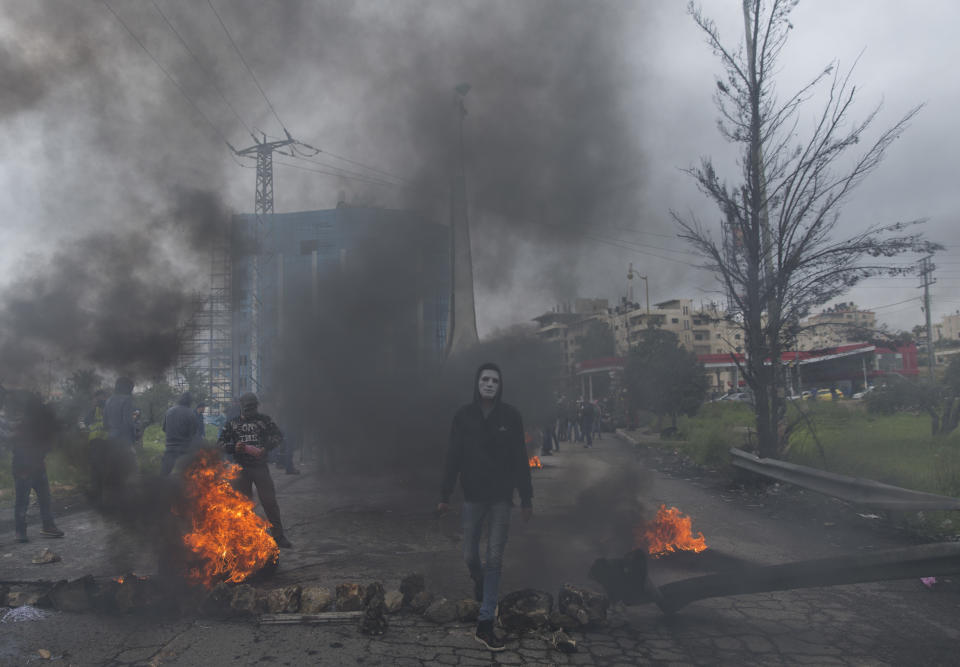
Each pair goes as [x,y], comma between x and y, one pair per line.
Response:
[519,612]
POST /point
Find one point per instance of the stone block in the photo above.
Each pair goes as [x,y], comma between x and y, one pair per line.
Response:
[284,600]
[441,611]
[19,597]
[315,599]
[244,600]
[349,597]
[526,609]
[467,610]
[586,607]
[393,601]
[421,601]
[411,585]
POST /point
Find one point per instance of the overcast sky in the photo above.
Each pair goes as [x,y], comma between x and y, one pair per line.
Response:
[581,117]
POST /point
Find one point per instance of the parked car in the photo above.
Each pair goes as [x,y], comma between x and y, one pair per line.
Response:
[828,395]
[863,394]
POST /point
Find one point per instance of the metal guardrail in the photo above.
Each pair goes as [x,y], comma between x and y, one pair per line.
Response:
[852,489]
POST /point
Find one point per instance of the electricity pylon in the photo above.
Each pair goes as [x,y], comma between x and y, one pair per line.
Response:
[263,151]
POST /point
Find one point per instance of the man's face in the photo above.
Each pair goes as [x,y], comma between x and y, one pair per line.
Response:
[249,410]
[489,383]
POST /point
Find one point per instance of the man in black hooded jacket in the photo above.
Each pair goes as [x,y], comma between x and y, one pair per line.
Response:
[249,437]
[487,452]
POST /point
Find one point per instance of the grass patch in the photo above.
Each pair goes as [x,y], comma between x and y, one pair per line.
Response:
[707,437]
[895,449]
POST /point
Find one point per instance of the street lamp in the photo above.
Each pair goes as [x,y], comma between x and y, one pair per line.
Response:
[630,274]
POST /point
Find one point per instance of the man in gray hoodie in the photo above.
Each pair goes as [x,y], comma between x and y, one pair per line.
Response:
[180,426]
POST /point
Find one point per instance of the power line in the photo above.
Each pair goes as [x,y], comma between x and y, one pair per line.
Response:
[382,172]
[242,60]
[401,183]
[167,74]
[203,70]
[890,305]
[341,174]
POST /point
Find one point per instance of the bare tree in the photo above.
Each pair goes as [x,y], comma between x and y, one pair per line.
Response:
[780,253]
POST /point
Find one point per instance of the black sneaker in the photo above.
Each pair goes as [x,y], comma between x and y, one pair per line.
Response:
[478,589]
[283,542]
[487,637]
[51,531]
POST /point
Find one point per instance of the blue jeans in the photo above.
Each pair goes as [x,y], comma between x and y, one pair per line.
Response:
[497,515]
[38,482]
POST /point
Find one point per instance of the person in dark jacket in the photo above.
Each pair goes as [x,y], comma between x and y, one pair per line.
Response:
[116,459]
[487,453]
[118,414]
[586,423]
[30,433]
[248,438]
[180,426]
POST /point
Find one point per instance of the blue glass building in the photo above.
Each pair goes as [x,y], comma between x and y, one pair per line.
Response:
[381,274]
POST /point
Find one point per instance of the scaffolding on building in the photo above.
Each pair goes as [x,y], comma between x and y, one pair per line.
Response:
[206,343]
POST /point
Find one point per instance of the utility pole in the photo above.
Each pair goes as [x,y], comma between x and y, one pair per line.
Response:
[926,274]
[263,151]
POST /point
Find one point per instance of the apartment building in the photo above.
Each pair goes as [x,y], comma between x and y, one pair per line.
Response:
[842,324]
[949,328]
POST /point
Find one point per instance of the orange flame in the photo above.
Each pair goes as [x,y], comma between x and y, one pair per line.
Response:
[535,462]
[670,531]
[229,539]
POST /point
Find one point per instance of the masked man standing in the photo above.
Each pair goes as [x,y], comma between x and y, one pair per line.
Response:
[487,453]
[248,438]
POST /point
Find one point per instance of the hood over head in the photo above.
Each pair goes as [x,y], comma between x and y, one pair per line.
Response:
[476,382]
[123,385]
[185,399]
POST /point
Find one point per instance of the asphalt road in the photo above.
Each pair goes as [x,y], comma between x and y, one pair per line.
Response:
[381,527]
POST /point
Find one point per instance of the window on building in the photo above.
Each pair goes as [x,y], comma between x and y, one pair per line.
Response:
[698,336]
[737,337]
[686,310]
[675,320]
[686,324]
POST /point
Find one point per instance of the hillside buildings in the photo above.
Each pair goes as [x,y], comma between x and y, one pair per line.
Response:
[830,349]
